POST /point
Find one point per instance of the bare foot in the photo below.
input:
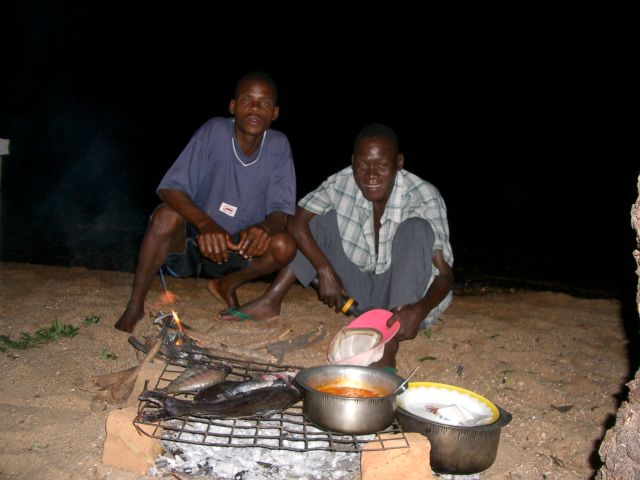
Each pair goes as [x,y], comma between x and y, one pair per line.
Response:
[224,294]
[129,318]
[258,310]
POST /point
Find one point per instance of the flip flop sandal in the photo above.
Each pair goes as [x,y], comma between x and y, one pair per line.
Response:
[237,314]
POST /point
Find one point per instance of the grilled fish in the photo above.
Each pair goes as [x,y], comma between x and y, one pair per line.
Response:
[229,389]
[198,377]
[257,403]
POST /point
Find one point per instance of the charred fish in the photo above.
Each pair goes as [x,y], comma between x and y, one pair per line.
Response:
[229,389]
[257,403]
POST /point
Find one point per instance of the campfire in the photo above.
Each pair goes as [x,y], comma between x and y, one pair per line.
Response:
[283,444]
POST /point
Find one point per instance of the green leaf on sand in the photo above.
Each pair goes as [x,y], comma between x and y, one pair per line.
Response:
[91,320]
[107,355]
[42,335]
[426,357]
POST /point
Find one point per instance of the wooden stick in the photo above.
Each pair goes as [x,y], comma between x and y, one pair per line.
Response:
[242,354]
[264,343]
[301,341]
[107,379]
[221,350]
[121,391]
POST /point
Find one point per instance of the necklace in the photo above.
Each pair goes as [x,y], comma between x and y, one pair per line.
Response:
[235,152]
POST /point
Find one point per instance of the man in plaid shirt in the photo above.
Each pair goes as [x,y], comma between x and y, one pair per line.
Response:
[376,233]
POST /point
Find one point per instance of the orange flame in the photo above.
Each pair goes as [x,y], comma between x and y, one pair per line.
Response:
[178,323]
[167,297]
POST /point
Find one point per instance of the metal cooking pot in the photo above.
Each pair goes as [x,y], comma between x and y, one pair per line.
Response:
[455,449]
[346,414]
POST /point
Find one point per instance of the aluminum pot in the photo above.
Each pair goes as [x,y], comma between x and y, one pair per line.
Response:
[351,415]
[455,449]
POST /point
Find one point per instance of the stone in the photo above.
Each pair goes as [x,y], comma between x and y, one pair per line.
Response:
[411,463]
[127,448]
[149,373]
[124,446]
[620,449]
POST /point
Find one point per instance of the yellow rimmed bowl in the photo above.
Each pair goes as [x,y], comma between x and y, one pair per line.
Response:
[462,426]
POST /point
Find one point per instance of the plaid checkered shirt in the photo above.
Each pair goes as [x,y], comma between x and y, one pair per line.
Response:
[411,197]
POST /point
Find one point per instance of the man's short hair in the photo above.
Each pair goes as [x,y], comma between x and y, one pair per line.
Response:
[257,76]
[377,130]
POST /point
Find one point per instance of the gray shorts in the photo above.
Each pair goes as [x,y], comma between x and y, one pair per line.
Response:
[403,283]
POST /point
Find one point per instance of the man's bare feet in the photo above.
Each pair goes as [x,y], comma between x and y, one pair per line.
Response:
[129,318]
[222,292]
[258,310]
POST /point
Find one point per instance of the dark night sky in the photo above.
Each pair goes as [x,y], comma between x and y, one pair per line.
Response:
[522,118]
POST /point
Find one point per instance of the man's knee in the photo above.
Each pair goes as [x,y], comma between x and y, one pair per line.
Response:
[165,220]
[417,228]
[283,247]
[324,229]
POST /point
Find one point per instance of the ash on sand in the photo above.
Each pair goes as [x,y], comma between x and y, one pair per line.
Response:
[255,462]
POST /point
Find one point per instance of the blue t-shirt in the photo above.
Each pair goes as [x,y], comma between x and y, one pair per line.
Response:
[235,190]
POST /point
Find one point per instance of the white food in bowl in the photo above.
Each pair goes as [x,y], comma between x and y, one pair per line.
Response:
[449,406]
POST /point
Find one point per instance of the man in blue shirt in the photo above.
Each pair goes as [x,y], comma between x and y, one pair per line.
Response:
[226,200]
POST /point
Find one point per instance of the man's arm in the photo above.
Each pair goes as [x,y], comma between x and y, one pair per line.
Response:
[330,288]
[213,240]
[410,316]
[275,222]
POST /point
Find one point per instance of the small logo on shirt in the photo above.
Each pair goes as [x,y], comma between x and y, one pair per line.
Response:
[228,209]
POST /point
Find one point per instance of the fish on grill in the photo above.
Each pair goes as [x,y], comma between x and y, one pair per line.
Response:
[198,377]
[253,398]
[228,389]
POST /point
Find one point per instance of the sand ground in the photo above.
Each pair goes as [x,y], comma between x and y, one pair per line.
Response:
[557,363]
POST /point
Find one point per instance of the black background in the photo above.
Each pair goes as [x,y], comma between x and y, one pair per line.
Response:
[523,119]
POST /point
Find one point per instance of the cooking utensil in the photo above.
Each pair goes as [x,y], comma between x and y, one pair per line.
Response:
[355,344]
[349,414]
[377,319]
[455,449]
[405,381]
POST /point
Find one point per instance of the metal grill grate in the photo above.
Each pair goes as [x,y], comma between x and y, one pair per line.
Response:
[288,430]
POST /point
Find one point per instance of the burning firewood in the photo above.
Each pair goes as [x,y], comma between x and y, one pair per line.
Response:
[191,340]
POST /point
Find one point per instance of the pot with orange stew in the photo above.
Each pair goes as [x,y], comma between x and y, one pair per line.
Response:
[348,398]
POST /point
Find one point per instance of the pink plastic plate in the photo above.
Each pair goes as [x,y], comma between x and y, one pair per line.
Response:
[376,319]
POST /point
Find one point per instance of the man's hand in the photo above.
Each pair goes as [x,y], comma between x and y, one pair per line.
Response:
[214,243]
[213,240]
[253,242]
[330,289]
[409,316]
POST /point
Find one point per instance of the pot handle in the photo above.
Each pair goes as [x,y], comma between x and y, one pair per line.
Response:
[504,418]
[400,390]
